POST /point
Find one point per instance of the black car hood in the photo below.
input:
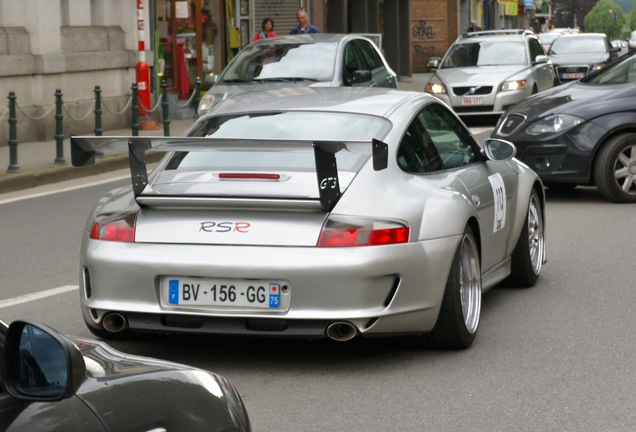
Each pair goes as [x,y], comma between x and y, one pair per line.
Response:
[130,392]
[579,99]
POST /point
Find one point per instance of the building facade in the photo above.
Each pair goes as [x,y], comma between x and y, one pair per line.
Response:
[71,45]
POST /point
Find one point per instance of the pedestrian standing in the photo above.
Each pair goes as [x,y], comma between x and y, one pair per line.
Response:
[303,26]
[473,27]
[267,30]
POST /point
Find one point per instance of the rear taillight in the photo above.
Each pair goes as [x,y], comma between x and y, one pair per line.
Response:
[119,228]
[346,232]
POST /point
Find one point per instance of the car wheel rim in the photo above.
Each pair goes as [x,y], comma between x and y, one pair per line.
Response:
[625,170]
[470,284]
[535,234]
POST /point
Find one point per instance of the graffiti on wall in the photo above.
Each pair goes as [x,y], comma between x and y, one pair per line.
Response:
[422,30]
[426,42]
[421,50]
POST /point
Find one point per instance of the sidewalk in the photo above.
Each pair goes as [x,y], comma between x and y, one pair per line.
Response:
[37,167]
[36,160]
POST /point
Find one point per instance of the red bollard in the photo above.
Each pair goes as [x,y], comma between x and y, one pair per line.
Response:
[143,87]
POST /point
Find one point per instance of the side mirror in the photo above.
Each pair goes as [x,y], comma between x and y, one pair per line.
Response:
[208,82]
[499,150]
[360,76]
[541,59]
[615,49]
[433,64]
[40,364]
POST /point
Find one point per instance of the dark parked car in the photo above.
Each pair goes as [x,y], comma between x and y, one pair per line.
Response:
[576,55]
[311,60]
[581,133]
[49,382]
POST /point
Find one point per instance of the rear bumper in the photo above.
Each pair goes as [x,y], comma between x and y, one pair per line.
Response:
[380,290]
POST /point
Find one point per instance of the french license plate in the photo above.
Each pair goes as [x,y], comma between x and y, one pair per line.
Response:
[254,294]
[576,75]
[472,101]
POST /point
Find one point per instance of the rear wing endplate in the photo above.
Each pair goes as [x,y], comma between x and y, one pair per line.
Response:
[85,148]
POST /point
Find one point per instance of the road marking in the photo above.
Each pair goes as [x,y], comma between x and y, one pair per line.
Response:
[37,296]
[55,188]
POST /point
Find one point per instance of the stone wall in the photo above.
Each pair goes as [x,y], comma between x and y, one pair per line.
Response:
[90,56]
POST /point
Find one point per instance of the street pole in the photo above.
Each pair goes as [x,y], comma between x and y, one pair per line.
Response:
[142,69]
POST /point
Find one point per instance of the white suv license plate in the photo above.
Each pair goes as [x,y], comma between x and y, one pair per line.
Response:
[472,101]
[254,294]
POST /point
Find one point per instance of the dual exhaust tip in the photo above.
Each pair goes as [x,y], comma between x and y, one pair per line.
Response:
[339,331]
[114,322]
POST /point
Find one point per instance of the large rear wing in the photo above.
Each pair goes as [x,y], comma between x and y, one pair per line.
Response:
[85,148]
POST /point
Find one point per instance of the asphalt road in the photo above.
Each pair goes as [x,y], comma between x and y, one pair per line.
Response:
[556,357]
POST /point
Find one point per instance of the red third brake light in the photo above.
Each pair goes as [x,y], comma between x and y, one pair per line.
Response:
[343,233]
[118,228]
[249,176]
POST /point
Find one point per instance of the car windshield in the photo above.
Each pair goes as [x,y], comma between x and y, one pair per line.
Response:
[311,61]
[485,53]
[621,72]
[577,45]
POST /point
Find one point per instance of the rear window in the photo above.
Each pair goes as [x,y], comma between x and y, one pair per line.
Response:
[317,126]
[313,126]
[258,161]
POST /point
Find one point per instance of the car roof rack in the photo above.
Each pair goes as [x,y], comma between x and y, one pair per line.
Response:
[497,33]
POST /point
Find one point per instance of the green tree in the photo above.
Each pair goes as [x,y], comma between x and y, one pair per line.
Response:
[606,17]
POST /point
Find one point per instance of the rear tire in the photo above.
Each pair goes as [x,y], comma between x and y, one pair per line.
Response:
[527,258]
[458,318]
[615,169]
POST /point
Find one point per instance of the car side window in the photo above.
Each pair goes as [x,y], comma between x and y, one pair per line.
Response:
[352,63]
[535,49]
[371,56]
[453,143]
[417,153]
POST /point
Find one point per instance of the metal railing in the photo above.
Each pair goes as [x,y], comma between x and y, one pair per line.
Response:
[96,107]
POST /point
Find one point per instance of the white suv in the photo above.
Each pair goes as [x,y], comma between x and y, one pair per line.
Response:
[484,73]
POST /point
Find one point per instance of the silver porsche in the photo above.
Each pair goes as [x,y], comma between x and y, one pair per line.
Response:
[311,212]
